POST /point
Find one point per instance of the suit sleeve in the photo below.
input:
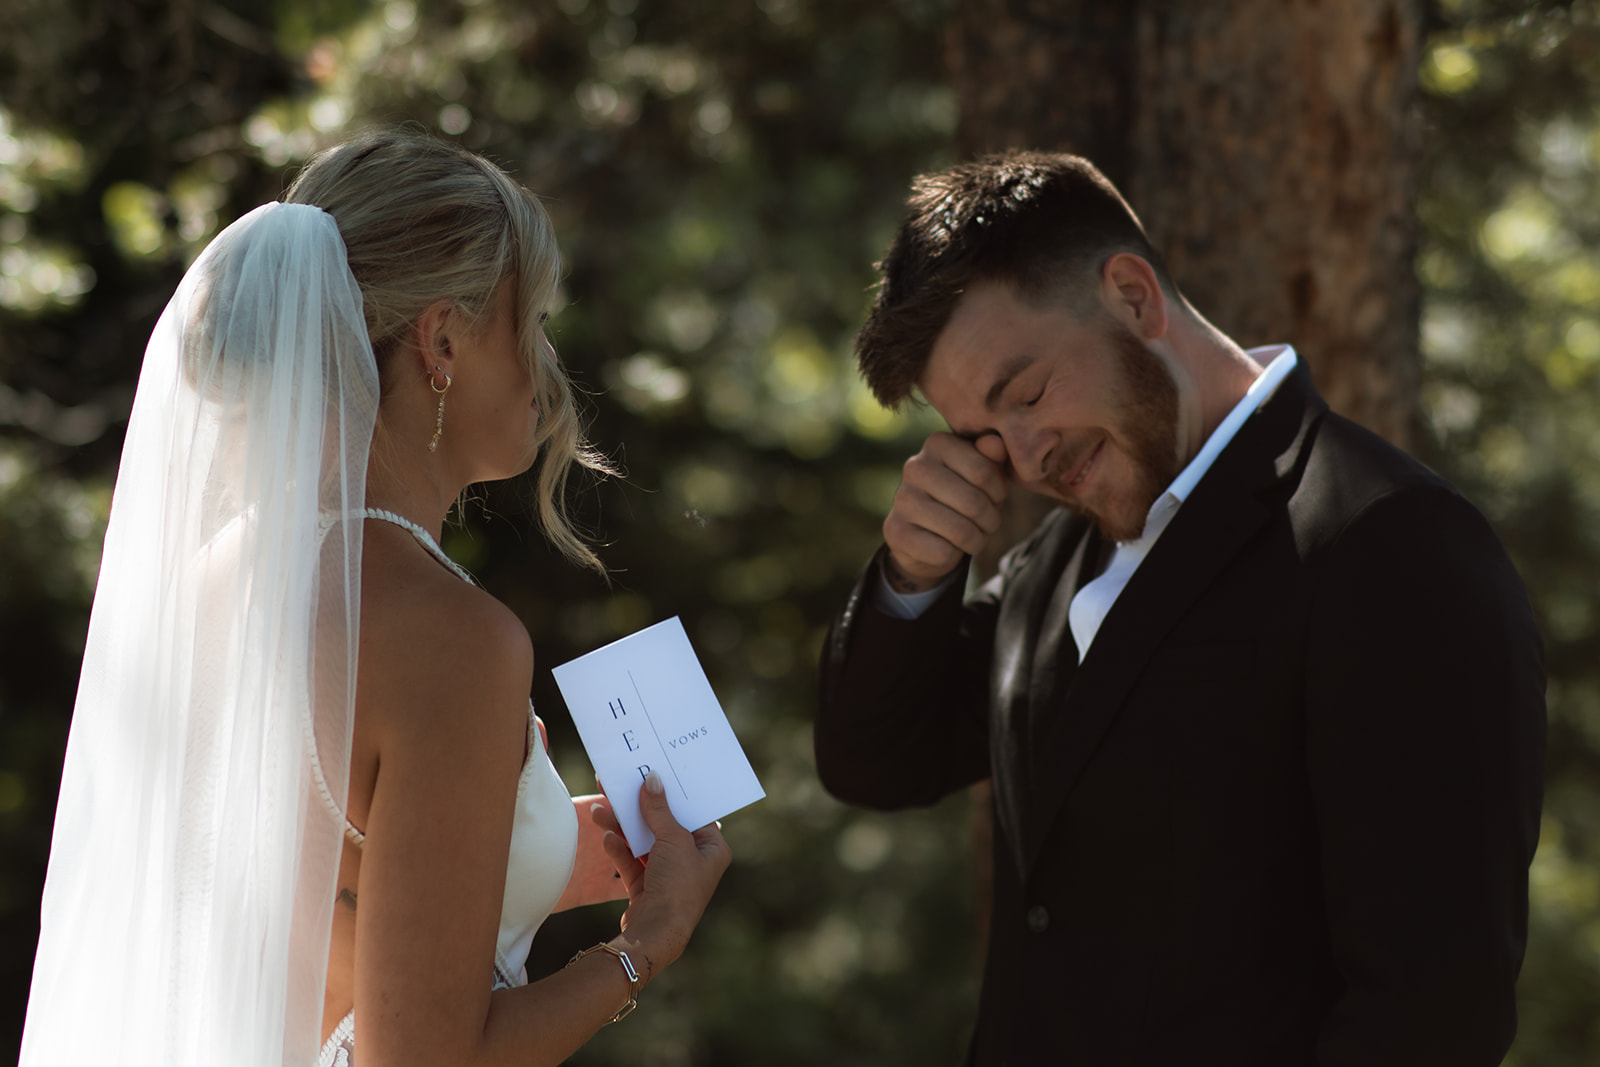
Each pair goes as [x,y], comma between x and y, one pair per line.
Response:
[901,718]
[1425,747]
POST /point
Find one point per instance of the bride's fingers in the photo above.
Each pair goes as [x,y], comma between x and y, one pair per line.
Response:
[709,842]
[623,860]
[602,816]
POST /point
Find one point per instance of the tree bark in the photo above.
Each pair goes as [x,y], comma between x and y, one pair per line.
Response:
[1270,148]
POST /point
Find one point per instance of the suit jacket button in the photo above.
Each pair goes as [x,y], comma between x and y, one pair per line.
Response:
[1038,919]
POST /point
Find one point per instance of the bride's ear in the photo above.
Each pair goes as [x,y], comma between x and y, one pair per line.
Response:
[434,338]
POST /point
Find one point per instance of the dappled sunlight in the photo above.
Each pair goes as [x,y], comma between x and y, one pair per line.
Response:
[708,489]
[1449,68]
[646,382]
[864,845]
[1565,891]
[1527,227]
[1511,339]
[134,212]
[721,183]
[37,274]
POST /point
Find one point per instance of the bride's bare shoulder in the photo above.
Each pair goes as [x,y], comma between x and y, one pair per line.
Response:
[436,651]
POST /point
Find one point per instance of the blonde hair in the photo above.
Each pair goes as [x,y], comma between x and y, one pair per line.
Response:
[423,221]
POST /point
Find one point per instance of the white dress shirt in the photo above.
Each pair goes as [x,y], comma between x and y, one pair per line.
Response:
[1094,600]
[1090,606]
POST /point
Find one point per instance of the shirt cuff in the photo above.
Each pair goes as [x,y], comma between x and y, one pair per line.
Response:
[898,605]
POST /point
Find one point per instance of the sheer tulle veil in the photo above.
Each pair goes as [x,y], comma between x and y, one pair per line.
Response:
[189,900]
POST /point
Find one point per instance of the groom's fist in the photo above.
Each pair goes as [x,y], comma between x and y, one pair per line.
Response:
[947,505]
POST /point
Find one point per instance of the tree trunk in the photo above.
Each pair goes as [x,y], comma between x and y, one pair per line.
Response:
[1269,146]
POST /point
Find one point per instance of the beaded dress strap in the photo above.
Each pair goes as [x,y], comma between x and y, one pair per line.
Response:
[423,537]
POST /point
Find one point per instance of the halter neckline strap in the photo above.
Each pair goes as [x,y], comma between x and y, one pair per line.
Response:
[424,538]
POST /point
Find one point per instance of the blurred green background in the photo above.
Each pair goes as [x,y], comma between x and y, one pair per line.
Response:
[722,176]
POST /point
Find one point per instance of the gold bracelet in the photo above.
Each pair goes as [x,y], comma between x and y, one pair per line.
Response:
[627,967]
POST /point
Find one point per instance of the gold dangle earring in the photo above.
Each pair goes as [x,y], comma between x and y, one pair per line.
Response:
[438,422]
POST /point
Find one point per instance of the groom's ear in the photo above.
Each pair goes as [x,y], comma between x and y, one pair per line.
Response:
[1131,292]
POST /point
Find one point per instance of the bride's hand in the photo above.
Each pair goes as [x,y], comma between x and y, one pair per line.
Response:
[594,876]
[667,896]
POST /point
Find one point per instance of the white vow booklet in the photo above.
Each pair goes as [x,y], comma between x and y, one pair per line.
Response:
[643,703]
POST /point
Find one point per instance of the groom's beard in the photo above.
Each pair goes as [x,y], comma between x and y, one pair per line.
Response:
[1144,421]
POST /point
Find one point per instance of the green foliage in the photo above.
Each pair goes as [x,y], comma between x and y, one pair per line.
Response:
[50,533]
[1511,334]
[721,186]
[722,182]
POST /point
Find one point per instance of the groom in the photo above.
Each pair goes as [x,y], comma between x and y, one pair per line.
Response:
[1261,702]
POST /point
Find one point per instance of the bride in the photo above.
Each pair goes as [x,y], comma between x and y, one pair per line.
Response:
[307,815]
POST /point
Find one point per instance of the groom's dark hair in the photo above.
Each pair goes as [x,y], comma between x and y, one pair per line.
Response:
[1042,222]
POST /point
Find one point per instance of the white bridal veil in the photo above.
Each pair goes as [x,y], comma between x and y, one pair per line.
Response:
[193,868]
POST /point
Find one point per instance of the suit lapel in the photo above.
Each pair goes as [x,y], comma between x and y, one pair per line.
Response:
[1074,708]
[1056,662]
[1022,652]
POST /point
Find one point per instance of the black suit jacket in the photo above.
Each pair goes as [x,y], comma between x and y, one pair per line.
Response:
[1282,811]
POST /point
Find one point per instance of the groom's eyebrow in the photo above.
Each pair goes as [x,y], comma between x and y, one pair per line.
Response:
[1009,370]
